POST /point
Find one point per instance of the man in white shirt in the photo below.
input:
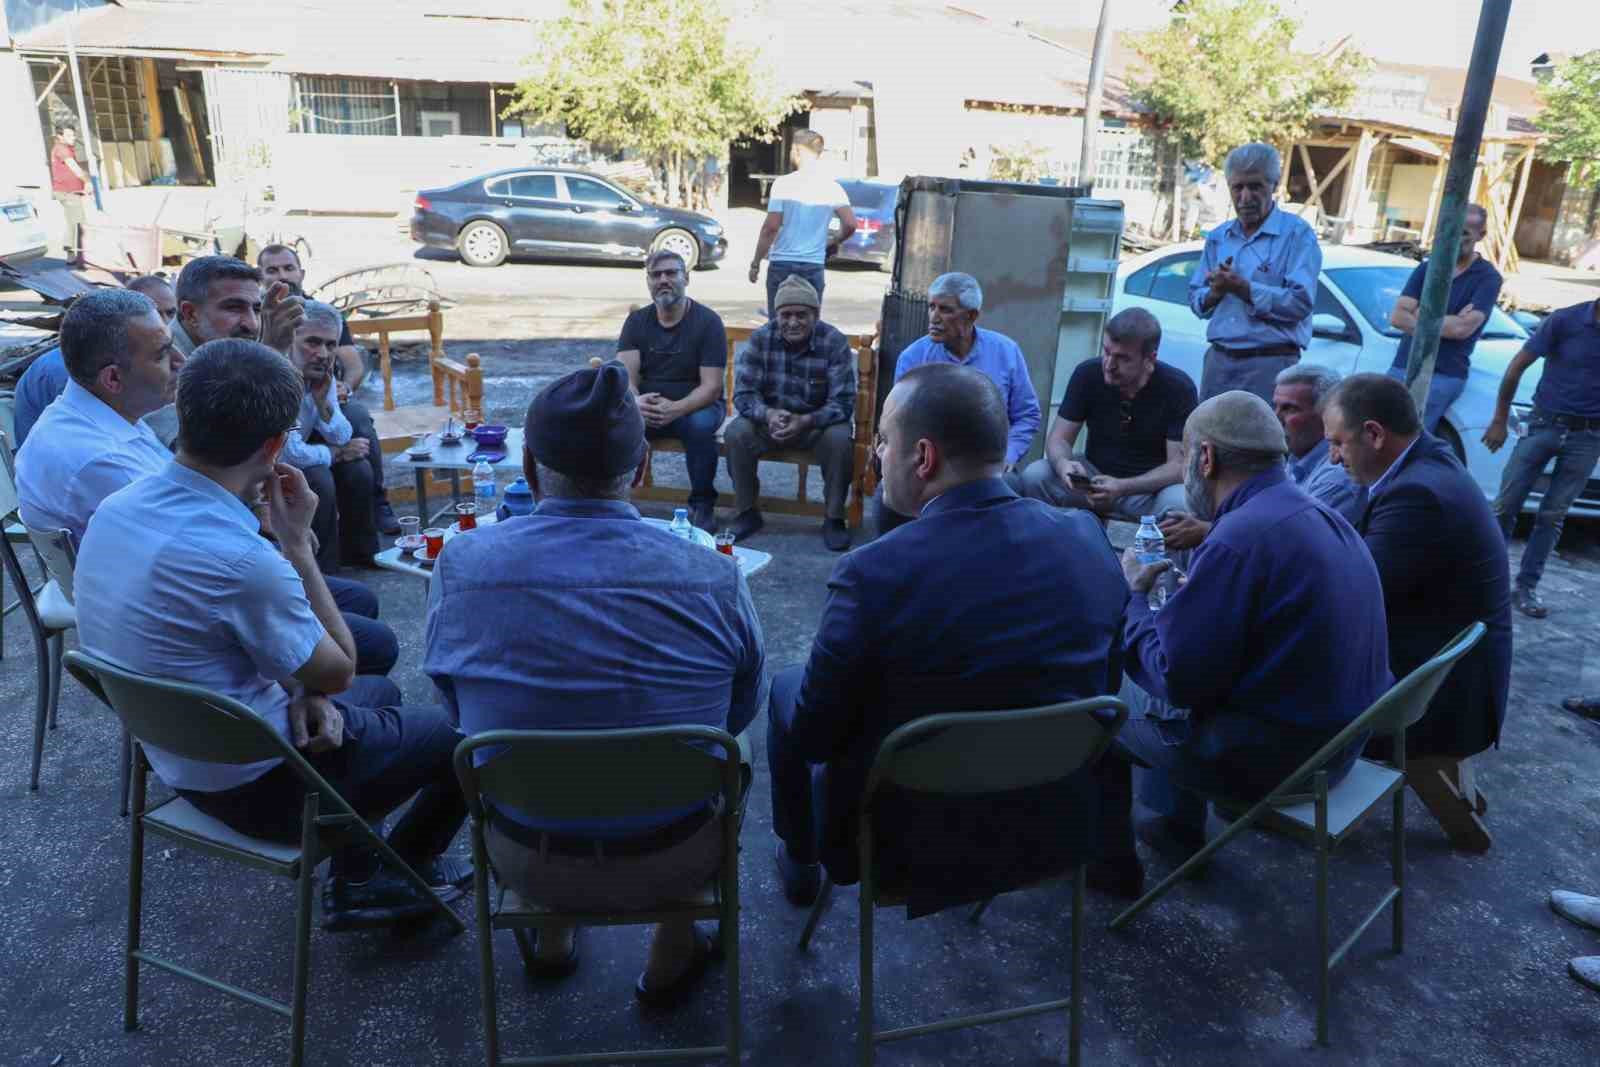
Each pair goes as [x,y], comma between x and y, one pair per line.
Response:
[174,580]
[324,446]
[89,442]
[795,238]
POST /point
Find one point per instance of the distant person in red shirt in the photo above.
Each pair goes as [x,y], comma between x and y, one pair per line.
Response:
[69,185]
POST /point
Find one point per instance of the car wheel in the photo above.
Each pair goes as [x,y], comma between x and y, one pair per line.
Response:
[482,244]
[679,242]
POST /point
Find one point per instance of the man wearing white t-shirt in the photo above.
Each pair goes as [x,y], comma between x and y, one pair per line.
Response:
[799,209]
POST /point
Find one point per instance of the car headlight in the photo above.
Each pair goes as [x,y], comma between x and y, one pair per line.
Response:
[712,229]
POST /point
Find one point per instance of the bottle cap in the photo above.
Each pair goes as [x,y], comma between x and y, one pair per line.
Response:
[1147,518]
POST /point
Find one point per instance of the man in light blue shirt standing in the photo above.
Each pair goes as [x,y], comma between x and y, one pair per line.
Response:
[954,303]
[1257,282]
[800,208]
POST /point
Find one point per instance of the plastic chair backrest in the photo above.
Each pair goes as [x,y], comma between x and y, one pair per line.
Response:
[996,751]
[186,720]
[8,479]
[60,558]
[1401,707]
[598,774]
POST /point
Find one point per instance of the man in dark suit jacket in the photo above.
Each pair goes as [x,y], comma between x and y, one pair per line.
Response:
[1443,564]
[986,601]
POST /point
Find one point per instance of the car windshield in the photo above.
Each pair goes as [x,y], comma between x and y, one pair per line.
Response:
[1373,290]
[871,197]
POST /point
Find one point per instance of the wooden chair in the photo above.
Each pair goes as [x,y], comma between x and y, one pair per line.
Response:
[964,754]
[1326,816]
[457,387]
[862,479]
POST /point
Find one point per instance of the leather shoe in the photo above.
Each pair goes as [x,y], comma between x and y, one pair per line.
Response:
[835,534]
[385,517]
[1174,843]
[382,899]
[801,881]
[746,523]
[1588,707]
[704,516]
[1120,878]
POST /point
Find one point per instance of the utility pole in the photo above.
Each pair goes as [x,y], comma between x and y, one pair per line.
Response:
[1091,103]
[1475,96]
[89,140]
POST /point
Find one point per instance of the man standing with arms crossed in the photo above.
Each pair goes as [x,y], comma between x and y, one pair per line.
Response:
[798,212]
[1256,282]
[69,185]
[1474,287]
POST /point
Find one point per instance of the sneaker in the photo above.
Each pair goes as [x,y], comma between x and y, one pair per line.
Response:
[447,876]
[1577,907]
[835,534]
[746,523]
[384,514]
[703,515]
[801,881]
[1526,600]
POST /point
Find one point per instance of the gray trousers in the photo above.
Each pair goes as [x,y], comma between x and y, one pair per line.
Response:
[746,441]
[1040,482]
[1254,374]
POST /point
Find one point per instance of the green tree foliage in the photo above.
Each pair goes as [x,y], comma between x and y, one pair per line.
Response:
[1222,73]
[1571,117]
[661,77]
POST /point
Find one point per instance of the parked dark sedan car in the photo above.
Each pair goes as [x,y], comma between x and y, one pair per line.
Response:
[560,213]
[873,242]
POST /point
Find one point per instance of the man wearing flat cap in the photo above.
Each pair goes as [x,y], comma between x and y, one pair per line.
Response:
[1274,645]
[794,388]
[583,616]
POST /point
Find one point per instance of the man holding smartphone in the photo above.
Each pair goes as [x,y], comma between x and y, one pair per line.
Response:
[1134,408]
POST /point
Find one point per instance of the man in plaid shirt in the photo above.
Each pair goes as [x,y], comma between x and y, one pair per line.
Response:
[794,387]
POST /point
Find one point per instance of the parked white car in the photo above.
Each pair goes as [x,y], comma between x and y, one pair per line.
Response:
[22,234]
[1350,332]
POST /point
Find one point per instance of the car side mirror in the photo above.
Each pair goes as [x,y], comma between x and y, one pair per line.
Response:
[1329,326]
[625,207]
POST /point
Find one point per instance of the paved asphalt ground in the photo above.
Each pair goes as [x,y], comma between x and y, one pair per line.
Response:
[1220,973]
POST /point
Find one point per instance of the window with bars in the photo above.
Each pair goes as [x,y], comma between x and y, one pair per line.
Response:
[346,105]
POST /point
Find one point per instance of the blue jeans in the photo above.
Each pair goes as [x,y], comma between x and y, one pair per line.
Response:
[779,269]
[377,649]
[1442,392]
[698,432]
[1575,453]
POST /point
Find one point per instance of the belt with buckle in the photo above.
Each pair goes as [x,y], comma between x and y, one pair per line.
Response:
[1573,422]
[1264,350]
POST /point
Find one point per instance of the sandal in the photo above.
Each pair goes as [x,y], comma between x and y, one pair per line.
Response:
[542,969]
[669,996]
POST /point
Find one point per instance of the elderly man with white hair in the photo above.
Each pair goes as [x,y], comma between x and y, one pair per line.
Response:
[1275,643]
[324,446]
[1257,282]
[954,303]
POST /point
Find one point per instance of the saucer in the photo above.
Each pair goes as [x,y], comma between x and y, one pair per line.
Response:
[407,549]
[421,556]
[419,453]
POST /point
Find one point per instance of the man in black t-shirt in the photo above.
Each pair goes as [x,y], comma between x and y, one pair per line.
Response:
[675,350]
[1134,408]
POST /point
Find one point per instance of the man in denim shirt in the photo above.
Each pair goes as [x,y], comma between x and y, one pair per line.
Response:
[582,616]
[1564,426]
[1256,282]
[795,388]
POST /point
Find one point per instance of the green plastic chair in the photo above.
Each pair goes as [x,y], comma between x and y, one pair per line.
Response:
[196,723]
[965,753]
[1327,816]
[604,774]
[48,608]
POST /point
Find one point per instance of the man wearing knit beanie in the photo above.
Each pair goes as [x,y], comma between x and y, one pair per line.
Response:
[668,636]
[794,388]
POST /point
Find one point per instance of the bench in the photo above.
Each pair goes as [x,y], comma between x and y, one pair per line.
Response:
[457,387]
[862,478]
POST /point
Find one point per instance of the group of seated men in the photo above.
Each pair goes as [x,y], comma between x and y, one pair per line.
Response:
[202,566]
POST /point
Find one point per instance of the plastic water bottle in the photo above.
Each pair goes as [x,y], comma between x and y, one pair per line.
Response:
[1150,547]
[483,487]
[680,524]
